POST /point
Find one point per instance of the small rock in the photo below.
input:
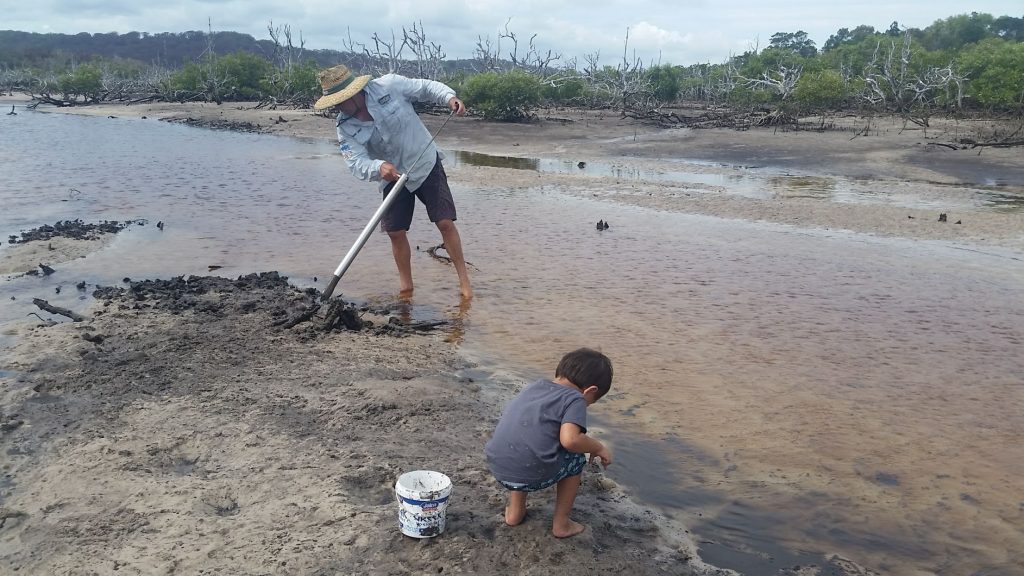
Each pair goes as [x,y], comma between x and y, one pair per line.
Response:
[942,217]
[11,425]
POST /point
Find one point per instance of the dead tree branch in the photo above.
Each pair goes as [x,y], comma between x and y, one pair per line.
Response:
[44,305]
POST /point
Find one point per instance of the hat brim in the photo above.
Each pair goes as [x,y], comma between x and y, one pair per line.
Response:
[351,90]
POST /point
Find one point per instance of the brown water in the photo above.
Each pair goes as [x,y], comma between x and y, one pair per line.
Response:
[788,392]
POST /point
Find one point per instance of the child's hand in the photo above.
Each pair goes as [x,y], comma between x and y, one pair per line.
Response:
[604,455]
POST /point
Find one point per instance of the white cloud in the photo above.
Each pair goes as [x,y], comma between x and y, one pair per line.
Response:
[678,32]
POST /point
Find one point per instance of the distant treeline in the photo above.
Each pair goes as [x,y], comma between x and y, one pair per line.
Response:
[172,49]
[967,62]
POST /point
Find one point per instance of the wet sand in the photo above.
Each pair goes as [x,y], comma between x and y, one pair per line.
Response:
[168,497]
[178,430]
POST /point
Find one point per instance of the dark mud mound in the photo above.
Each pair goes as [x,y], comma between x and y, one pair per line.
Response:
[74,229]
[218,124]
[269,293]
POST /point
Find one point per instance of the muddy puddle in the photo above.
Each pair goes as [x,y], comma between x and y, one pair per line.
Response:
[789,393]
[767,183]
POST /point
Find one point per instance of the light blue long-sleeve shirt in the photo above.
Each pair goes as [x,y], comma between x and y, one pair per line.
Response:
[396,134]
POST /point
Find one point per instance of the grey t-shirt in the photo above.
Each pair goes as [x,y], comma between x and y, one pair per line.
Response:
[525,446]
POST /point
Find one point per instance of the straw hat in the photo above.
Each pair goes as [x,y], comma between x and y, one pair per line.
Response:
[339,84]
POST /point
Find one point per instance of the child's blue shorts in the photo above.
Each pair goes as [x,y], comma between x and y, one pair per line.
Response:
[572,465]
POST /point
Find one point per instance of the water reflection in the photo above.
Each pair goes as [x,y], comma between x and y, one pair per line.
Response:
[477,159]
[1006,202]
[765,183]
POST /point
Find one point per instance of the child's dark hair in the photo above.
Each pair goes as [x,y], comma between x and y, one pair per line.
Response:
[586,368]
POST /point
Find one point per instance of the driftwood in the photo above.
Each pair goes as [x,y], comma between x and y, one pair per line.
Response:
[969,144]
[433,254]
[426,325]
[440,258]
[396,327]
[298,318]
[143,99]
[1010,144]
[44,305]
[737,120]
[46,322]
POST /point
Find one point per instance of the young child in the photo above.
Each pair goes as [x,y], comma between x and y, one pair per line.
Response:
[541,439]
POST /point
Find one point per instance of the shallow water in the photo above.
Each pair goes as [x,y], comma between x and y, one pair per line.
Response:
[769,183]
[788,392]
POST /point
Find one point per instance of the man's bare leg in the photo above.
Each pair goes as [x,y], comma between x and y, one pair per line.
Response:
[515,510]
[565,495]
[453,245]
[403,259]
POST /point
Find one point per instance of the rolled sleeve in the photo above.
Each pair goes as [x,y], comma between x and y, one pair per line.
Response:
[358,159]
[421,90]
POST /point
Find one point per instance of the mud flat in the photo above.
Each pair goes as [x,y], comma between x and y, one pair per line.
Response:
[180,428]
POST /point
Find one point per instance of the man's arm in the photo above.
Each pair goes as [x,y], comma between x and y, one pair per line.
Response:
[358,159]
[422,90]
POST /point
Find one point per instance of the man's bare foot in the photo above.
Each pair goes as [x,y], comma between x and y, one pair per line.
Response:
[405,294]
[571,528]
[514,515]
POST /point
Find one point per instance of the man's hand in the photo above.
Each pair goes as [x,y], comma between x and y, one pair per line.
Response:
[457,106]
[388,173]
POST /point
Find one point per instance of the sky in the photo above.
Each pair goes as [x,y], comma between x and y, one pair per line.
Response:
[660,31]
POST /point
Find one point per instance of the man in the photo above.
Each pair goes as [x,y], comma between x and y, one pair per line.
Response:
[381,138]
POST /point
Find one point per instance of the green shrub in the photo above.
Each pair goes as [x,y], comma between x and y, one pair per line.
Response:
[569,92]
[244,73]
[665,82]
[506,97]
[85,81]
[190,78]
[995,69]
[823,90]
[296,84]
[744,97]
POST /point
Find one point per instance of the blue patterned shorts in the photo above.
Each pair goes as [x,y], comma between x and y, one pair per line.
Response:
[572,465]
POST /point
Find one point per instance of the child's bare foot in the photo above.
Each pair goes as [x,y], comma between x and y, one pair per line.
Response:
[571,528]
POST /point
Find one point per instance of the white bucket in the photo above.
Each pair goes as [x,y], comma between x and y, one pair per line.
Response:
[422,502]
